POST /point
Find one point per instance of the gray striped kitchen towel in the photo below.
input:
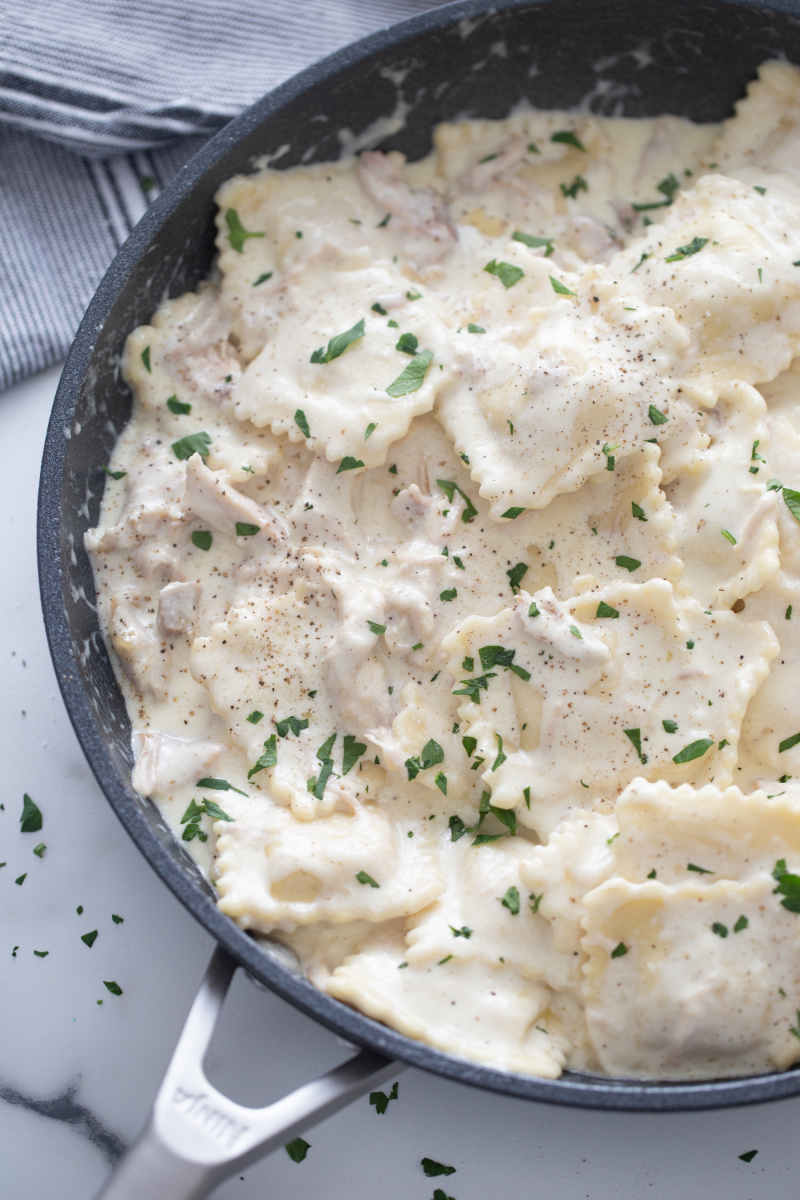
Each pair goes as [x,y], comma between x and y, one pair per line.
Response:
[101,103]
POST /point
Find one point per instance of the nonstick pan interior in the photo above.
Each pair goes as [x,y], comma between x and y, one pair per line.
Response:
[612,57]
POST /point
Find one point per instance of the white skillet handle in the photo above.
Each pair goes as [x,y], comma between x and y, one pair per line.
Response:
[196,1136]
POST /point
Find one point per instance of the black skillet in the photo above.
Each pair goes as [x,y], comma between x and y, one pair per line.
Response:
[616,57]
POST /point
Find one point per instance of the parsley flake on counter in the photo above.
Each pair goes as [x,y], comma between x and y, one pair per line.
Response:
[89,939]
[31,819]
[113,987]
[407,343]
[202,539]
[237,234]
[351,753]
[507,273]
[511,901]
[619,951]
[635,737]
[450,487]
[178,407]
[748,1156]
[364,878]
[39,850]
[728,536]
[568,138]
[432,1168]
[298,1149]
[560,288]
[693,750]
[692,247]
[380,1100]
[268,759]
[21,879]
[349,463]
[448,594]
[194,443]
[475,328]
[515,576]
[40,953]
[117,919]
[412,377]
[630,564]
[262,278]
[339,343]
[113,474]
[528,239]
[787,743]
[218,785]
[146,360]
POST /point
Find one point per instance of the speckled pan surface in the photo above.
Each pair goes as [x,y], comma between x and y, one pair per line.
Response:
[614,57]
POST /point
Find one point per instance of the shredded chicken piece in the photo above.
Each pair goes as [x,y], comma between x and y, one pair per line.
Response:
[177,608]
[209,498]
[164,762]
[136,646]
[421,213]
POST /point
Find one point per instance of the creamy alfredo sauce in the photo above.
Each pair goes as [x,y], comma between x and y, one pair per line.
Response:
[451,554]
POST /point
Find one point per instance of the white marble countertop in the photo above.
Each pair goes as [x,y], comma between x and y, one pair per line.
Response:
[77,1076]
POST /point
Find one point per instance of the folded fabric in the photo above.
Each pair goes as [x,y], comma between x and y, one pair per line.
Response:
[101,103]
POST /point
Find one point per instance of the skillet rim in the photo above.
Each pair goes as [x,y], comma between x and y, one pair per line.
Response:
[571,1089]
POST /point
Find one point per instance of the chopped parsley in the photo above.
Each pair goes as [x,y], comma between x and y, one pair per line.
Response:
[302,423]
[113,474]
[112,986]
[146,359]
[464,931]
[412,377]
[339,343]
[528,239]
[255,717]
[728,536]
[644,258]
[39,850]
[788,886]
[568,138]
[262,278]
[380,1100]
[507,273]
[31,819]
[792,501]
[376,628]
[472,687]
[364,878]
[668,187]
[475,328]
[511,901]
[219,785]
[560,288]
[698,870]
[741,924]
[237,234]
[448,594]
[748,1156]
[501,756]
[89,939]
[268,759]
[202,539]
[619,951]
[283,728]
[657,416]
[349,463]
[719,929]
[516,574]
[693,750]
[298,1149]
[571,190]
[194,443]
[630,564]
[635,736]
[245,529]
[499,656]
[373,425]
[38,953]
[178,407]
[449,487]
[637,511]
[407,343]
[512,513]
[21,879]
[786,744]
[533,610]
[605,610]
[692,247]
[116,919]
[441,782]
[670,726]
[351,752]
